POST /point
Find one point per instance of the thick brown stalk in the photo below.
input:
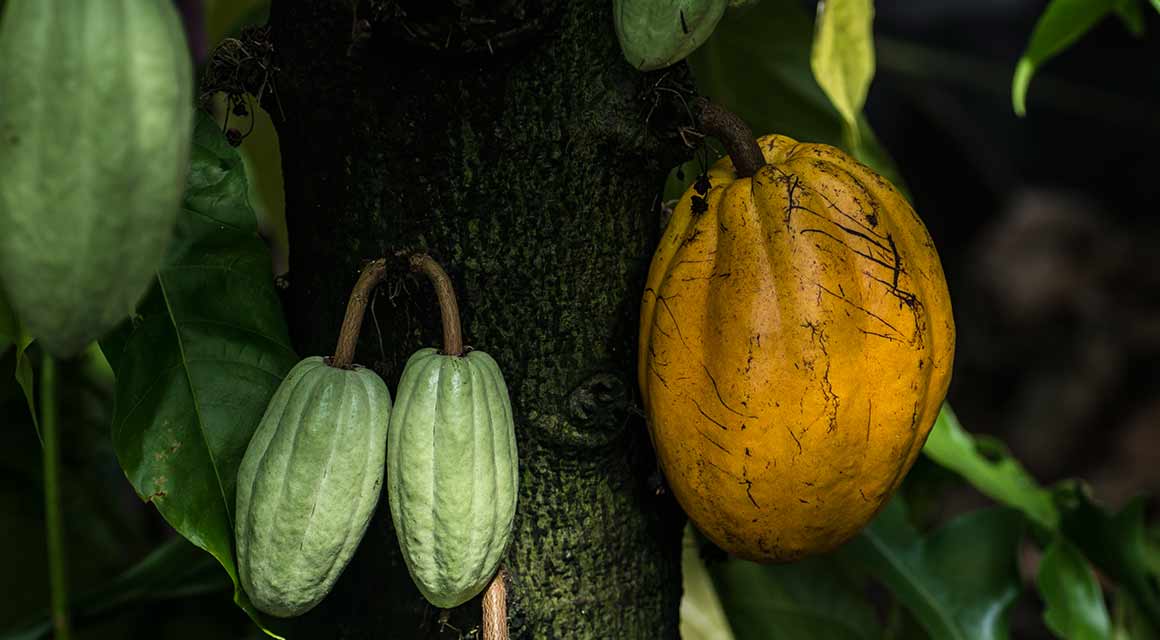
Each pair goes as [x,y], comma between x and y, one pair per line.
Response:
[356,307]
[448,307]
[732,131]
[495,608]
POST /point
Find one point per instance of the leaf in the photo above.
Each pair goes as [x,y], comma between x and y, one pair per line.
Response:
[842,57]
[959,581]
[1156,4]
[197,365]
[812,598]
[1002,479]
[757,64]
[1131,15]
[9,328]
[1075,603]
[1116,544]
[175,569]
[1060,25]
[702,617]
[27,380]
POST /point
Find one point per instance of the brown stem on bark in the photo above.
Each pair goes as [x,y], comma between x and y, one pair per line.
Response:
[448,307]
[356,307]
[732,131]
[495,608]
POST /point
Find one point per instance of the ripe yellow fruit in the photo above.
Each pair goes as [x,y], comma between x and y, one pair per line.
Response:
[795,347]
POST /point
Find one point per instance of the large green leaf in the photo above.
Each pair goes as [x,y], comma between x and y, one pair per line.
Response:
[702,617]
[1117,544]
[1060,25]
[842,58]
[198,363]
[176,569]
[813,598]
[1075,603]
[999,475]
[959,581]
[757,64]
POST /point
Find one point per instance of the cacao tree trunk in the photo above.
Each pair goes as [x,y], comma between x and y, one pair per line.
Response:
[510,140]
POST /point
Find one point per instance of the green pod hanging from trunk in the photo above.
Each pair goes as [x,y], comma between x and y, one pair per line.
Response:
[654,34]
[96,110]
[309,483]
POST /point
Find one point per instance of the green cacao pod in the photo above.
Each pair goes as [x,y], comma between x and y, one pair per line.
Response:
[452,472]
[654,34]
[309,483]
[96,106]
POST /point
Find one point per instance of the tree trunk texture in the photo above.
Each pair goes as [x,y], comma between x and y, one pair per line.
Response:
[510,140]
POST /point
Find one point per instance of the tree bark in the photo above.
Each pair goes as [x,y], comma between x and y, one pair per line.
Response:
[511,141]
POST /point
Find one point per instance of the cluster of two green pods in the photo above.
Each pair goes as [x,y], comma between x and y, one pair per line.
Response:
[311,476]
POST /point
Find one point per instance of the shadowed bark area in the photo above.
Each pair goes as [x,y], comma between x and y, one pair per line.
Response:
[525,160]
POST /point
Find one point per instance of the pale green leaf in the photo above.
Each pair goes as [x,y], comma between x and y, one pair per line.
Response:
[1075,608]
[702,617]
[842,57]
[1064,22]
[999,476]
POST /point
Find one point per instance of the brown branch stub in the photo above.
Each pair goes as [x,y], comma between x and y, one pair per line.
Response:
[495,608]
[732,131]
[356,307]
[448,306]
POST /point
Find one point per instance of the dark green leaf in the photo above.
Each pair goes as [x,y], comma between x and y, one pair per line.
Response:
[1116,544]
[812,598]
[757,64]
[959,581]
[26,379]
[1132,15]
[1060,25]
[199,362]
[999,476]
[176,569]
[9,328]
[842,58]
[1075,603]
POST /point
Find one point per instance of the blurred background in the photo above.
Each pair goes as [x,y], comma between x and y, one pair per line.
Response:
[1047,227]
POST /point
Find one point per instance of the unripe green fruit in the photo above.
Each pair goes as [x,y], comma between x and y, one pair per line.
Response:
[452,472]
[309,483]
[96,109]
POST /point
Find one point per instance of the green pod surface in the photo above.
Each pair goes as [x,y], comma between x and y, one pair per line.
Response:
[654,34]
[309,483]
[452,472]
[96,110]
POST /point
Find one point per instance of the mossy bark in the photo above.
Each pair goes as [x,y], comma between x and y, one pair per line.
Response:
[514,144]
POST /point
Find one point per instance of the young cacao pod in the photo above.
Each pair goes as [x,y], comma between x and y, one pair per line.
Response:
[309,483]
[96,107]
[452,469]
[654,34]
[796,342]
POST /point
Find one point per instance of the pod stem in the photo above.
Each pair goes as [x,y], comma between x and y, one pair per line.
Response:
[495,608]
[356,307]
[732,131]
[57,573]
[448,307]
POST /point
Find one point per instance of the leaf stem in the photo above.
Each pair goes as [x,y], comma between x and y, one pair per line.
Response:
[732,131]
[57,574]
[356,307]
[448,307]
[495,608]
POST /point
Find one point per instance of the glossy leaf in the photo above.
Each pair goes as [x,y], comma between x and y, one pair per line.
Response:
[842,57]
[812,598]
[959,581]
[1075,608]
[199,361]
[1156,5]
[1117,544]
[1000,477]
[1060,25]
